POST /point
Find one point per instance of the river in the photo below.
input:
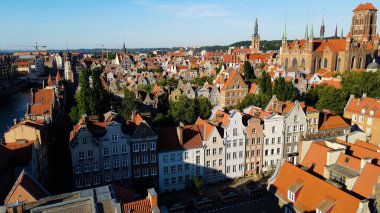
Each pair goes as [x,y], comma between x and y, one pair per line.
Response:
[11,107]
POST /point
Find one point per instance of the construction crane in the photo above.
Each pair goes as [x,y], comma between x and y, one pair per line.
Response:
[102,45]
[36,46]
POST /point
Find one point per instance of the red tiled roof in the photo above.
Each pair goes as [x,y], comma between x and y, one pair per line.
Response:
[357,104]
[335,84]
[39,109]
[317,156]
[253,89]
[367,180]
[313,191]
[259,56]
[366,6]
[334,122]
[191,137]
[43,96]
[140,206]
[335,45]
[349,162]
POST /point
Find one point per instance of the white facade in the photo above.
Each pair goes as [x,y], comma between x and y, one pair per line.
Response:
[177,167]
[234,137]
[214,156]
[273,141]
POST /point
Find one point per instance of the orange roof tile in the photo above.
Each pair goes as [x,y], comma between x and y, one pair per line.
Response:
[191,137]
[366,6]
[317,156]
[313,191]
[369,104]
[349,162]
[367,180]
[254,88]
[140,206]
[335,84]
[334,122]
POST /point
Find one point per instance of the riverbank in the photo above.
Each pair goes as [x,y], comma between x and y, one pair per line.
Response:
[9,89]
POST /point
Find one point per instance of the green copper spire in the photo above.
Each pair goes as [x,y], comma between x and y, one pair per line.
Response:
[311,32]
[341,34]
[307,32]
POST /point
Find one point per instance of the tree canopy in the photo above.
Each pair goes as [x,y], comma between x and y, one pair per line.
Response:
[248,71]
[284,90]
[128,104]
[265,83]
[187,110]
[261,100]
[357,83]
[330,98]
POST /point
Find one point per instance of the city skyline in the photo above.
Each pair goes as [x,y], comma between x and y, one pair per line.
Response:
[156,24]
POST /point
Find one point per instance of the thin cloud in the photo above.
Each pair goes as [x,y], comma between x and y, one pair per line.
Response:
[202,10]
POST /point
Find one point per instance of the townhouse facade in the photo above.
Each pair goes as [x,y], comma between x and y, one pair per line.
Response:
[233,90]
[100,152]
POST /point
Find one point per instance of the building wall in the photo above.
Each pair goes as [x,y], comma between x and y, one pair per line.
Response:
[369,128]
[312,122]
[234,93]
[254,143]
[177,167]
[271,160]
[22,132]
[235,146]
[215,171]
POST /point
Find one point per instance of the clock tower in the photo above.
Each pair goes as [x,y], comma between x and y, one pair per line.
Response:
[255,43]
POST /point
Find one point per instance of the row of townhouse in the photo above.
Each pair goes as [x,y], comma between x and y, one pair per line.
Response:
[112,151]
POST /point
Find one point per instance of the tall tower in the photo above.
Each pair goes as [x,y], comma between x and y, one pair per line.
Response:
[364,22]
[336,31]
[255,43]
[322,31]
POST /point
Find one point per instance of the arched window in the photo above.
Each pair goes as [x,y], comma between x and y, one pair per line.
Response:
[352,62]
[303,62]
[314,68]
[337,66]
[294,63]
[325,63]
[319,64]
[360,63]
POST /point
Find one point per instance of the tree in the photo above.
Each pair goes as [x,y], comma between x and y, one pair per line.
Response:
[265,83]
[82,97]
[100,98]
[201,81]
[331,98]
[196,186]
[357,83]
[128,104]
[260,100]
[183,110]
[284,90]
[248,71]
[203,107]
[163,103]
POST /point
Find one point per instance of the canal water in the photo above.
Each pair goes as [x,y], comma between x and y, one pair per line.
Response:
[13,107]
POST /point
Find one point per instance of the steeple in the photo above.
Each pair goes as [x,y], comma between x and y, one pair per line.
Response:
[341,34]
[284,34]
[322,31]
[124,49]
[306,32]
[311,36]
[256,29]
[336,31]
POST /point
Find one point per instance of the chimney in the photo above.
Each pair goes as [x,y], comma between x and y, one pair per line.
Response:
[180,134]
[363,206]
[364,95]
[152,196]
[332,156]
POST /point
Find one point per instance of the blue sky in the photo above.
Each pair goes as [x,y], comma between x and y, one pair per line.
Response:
[149,23]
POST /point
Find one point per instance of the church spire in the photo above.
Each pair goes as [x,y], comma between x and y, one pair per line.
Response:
[256,30]
[341,34]
[284,34]
[336,31]
[306,32]
[311,36]
[322,31]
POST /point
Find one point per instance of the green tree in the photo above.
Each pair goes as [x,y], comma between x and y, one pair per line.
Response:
[163,103]
[284,90]
[203,107]
[100,98]
[265,83]
[196,186]
[183,110]
[357,83]
[128,104]
[261,100]
[82,97]
[201,81]
[248,71]
[331,98]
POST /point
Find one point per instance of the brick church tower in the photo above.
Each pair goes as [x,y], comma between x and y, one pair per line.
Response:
[255,43]
[364,22]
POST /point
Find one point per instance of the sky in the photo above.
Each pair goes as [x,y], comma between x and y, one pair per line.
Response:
[158,23]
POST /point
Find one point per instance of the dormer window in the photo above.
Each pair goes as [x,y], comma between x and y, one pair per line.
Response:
[371,113]
[291,195]
[292,191]
[363,111]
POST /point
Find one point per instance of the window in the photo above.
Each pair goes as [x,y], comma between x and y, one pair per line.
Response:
[228,169]
[214,151]
[96,180]
[241,154]
[354,117]
[186,155]
[172,157]
[241,142]
[266,152]
[166,170]
[234,144]
[145,172]
[371,113]
[234,168]
[137,173]
[289,128]
[369,121]
[273,140]
[258,152]
[95,167]
[107,177]
[214,139]
[207,152]
[291,195]
[288,139]
[278,151]
[125,174]
[172,169]
[180,179]
[272,152]
[247,154]
[220,151]
[228,156]
[87,168]
[258,141]
[235,133]
[117,176]
[152,145]
[143,147]
[288,149]
[78,169]
[187,167]
[295,128]
[84,140]
[266,141]
[179,168]
[208,163]
[295,138]
[363,111]
[144,159]
[81,155]
[135,147]
[234,155]
[279,140]
[79,182]
[296,118]
[116,163]
[315,121]
[254,130]
[294,148]
[114,138]
[338,177]
[107,165]
[124,162]
[153,158]
[136,160]
[105,151]
[198,159]
[253,141]
[166,158]
[274,129]
[173,180]
[220,162]
[302,128]
[123,149]
[115,150]
[90,154]
[166,181]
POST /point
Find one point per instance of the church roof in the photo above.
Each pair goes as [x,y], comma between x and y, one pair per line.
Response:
[366,6]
